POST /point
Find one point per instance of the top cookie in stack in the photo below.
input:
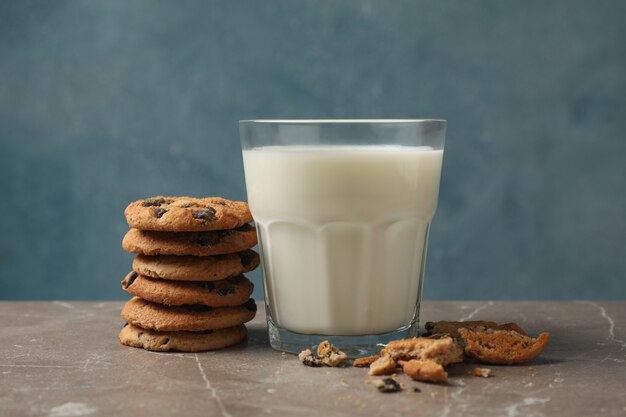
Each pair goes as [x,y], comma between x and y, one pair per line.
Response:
[187,279]
[187,214]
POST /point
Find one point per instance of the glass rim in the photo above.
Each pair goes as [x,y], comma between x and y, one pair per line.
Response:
[341,121]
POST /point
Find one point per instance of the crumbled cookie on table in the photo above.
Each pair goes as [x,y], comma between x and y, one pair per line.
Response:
[444,350]
[384,365]
[452,327]
[490,342]
[307,358]
[505,347]
[365,362]
[424,358]
[481,372]
[327,355]
[387,385]
[424,370]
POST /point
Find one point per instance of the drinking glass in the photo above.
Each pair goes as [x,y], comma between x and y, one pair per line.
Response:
[343,210]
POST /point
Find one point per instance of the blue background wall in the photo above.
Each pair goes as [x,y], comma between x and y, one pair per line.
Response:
[104,102]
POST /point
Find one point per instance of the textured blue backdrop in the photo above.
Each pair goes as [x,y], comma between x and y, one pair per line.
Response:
[104,102]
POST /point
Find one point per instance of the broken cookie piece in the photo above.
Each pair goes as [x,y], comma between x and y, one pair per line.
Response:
[506,347]
[387,385]
[424,370]
[324,349]
[307,358]
[443,350]
[329,354]
[365,362]
[481,372]
[452,327]
[490,342]
[384,365]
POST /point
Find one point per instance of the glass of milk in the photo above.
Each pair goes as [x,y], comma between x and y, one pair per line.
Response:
[342,210]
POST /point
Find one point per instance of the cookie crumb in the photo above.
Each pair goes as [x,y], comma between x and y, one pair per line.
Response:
[482,372]
[445,350]
[324,348]
[307,358]
[329,355]
[427,371]
[365,362]
[387,385]
[415,389]
[384,365]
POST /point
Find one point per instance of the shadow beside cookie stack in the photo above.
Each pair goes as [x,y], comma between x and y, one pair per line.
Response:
[189,290]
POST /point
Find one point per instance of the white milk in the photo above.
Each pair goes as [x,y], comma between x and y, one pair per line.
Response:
[343,231]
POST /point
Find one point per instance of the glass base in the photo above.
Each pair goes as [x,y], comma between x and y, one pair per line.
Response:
[354,346]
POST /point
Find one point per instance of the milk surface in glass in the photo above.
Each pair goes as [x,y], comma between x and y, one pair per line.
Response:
[343,230]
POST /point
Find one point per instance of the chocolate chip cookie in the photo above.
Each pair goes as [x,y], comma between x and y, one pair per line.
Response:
[196,268]
[187,214]
[181,341]
[504,347]
[228,292]
[193,318]
[190,243]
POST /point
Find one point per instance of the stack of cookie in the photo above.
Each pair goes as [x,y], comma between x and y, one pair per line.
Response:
[189,290]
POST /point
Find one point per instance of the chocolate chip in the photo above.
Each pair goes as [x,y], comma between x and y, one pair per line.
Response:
[159,212]
[151,202]
[206,214]
[243,228]
[389,385]
[246,258]
[250,305]
[415,389]
[226,291]
[128,281]
[209,286]
[187,205]
[207,239]
[198,308]
[311,361]
[221,203]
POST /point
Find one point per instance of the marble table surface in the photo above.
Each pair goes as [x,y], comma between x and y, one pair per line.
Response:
[62,359]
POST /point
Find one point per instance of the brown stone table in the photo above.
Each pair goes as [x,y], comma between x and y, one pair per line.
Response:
[62,359]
